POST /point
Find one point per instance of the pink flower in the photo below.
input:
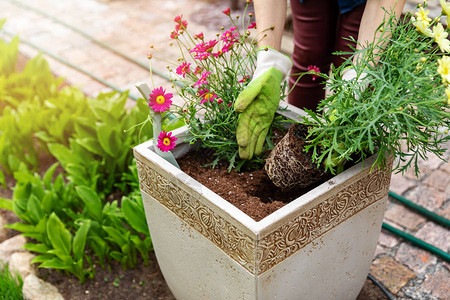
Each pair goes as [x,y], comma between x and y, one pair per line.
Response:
[202,79]
[315,69]
[206,96]
[159,100]
[183,69]
[174,35]
[199,36]
[166,141]
[178,19]
[227,11]
[252,25]
[203,48]
[219,101]
[202,56]
[182,25]
[229,36]
[244,79]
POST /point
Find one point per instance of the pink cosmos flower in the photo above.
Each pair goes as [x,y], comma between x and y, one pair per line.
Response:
[206,96]
[203,48]
[174,35]
[182,25]
[159,100]
[244,79]
[166,141]
[202,79]
[178,19]
[202,56]
[224,49]
[252,25]
[227,11]
[199,36]
[315,69]
[184,69]
[229,36]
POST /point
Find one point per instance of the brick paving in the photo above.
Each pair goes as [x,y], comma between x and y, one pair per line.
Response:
[132,26]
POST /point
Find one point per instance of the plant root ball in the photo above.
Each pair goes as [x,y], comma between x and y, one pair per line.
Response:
[289,166]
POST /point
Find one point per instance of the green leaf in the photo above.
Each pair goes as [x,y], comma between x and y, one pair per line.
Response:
[58,235]
[115,236]
[63,154]
[109,139]
[6,203]
[79,241]
[48,176]
[34,209]
[135,215]
[39,248]
[93,204]
[54,263]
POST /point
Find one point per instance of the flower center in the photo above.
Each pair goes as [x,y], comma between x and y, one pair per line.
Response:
[166,141]
[160,99]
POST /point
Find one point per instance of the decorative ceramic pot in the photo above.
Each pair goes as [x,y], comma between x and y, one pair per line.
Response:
[319,246]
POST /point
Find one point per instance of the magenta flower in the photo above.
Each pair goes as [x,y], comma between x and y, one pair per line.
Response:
[244,79]
[315,69]
[204,47]
[182,25]
[159,100]
[202,56]
[199,36]
[227,11]
[166,141]
[230,36]
[184,69]
[202,79]
[178,19]
[206,96]
[252,25]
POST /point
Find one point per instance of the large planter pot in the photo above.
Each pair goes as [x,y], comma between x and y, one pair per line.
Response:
[319,246]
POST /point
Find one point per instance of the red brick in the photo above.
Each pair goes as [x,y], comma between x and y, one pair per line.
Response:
[431,199]
[438,284]
[439,179]
[392,274]
[435,235]
[404,217]
[415,258]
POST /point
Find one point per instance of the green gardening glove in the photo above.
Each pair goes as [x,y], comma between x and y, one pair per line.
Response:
[258,102]
[257,105]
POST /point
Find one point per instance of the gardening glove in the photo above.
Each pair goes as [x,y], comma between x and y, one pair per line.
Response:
[258,102]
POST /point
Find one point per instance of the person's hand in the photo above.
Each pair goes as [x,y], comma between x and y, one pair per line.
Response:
[258,102]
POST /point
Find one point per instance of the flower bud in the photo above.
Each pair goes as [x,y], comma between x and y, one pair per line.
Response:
[250,14]
[149,55]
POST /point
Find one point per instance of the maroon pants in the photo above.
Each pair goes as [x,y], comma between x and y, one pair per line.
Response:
[319,30]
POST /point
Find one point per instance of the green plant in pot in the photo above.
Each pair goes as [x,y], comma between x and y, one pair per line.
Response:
[397,105]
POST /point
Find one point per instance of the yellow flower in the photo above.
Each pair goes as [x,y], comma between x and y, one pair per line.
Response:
[445,7]
[444,68]
[440,37]
[422,16]
[447,92]
[422,27]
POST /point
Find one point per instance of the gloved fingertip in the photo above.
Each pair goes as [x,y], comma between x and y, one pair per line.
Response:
[244,153]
